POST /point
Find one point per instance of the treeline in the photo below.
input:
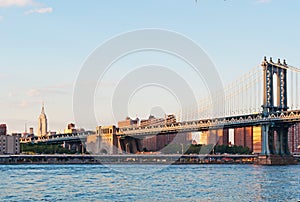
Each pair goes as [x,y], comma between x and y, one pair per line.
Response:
[232,149]
[204,149]
[44,149]
[30,148]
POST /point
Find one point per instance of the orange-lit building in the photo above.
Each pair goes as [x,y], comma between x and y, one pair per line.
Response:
[218,137]
[223,136]
[157,142]
[244,137]
[257,138]
[70,128]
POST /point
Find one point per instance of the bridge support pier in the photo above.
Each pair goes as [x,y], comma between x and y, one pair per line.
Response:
[265,140]
[275,152]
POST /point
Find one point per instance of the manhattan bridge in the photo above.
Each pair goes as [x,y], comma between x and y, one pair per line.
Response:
[267,96]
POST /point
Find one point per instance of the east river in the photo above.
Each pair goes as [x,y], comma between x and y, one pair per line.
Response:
[149,183]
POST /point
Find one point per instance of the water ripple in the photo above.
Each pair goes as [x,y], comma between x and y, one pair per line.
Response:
[173,183]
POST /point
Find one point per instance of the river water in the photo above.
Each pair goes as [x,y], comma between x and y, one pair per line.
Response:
[149,183]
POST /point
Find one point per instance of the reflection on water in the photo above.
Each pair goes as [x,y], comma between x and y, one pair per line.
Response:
[177,182]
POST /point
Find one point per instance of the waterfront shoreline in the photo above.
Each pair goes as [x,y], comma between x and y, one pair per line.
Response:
[65,159]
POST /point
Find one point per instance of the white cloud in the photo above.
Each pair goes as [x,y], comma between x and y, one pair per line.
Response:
[40,10]
[23,104]
[46,91]
[20,3]
[33,92]
[1,18]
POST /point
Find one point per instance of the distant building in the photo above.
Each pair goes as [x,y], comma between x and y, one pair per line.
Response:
[294,138]
[52,133]
[203,137]
[70,128]
[9,144]
[42,124]
[244,137]
[210,137]
[128,122]
[3,129]
[257,139]
[31,131]
[170,119]
[152,121]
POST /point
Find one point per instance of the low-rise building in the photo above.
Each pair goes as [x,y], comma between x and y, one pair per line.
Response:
[3,129]
[128,122]
[152,121]
[70,128]
[9,144]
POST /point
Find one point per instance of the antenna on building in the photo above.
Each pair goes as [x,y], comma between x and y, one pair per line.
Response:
[43,107]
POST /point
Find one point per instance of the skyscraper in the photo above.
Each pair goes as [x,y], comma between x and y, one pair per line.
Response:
[3,129]
[42,123]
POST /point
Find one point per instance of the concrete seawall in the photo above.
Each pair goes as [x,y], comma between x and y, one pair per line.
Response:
[129,159]
[125,159]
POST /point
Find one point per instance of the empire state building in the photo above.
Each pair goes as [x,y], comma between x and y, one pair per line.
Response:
[42,123]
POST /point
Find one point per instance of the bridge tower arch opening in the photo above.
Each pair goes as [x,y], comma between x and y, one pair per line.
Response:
[275,86]
[276,97]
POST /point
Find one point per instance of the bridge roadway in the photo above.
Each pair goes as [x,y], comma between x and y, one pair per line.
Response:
[59,138]
[288,117]
[203,125]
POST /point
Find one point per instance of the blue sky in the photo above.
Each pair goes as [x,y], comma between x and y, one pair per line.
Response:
[43,44]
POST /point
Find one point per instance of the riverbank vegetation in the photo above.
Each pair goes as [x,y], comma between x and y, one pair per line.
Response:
[44,149]
[204,149]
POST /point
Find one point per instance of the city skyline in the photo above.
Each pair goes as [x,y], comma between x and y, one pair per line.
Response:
[43,48]
[149,100]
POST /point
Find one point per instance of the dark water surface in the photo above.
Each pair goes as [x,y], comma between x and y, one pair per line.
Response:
[149,183]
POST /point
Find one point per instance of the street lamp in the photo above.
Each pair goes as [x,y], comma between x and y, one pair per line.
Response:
[181,148]
[126,147]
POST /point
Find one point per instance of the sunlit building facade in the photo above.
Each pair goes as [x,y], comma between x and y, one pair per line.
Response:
[257,137]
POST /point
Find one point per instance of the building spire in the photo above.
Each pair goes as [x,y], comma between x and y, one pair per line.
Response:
[43,108]
[42,123]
